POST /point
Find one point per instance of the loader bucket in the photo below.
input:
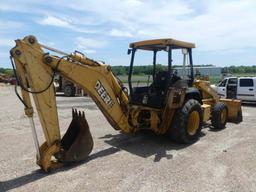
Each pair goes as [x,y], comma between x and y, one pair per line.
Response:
[234,110]
[77,143]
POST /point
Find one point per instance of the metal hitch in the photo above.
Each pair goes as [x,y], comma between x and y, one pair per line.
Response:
[77,143]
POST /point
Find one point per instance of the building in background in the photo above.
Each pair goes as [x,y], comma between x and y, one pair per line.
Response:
[204,71]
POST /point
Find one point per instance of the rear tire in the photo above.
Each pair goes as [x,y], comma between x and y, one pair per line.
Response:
[187,123]
[239,117]
[69,91]
[219,116]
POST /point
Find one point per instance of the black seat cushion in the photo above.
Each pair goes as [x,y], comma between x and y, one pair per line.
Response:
[160,82]
[155,93]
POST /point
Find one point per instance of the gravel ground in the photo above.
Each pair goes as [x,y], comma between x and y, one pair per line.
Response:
[220,161]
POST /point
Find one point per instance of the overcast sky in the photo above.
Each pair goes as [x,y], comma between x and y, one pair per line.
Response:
[224,31]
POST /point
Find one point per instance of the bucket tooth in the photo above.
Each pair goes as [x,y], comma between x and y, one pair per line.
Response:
[77,142]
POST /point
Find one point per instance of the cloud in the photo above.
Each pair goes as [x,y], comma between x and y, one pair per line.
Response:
[119,33]
[54,21]
[132,13]
[211,25]
[8,26]
[214,25]
[65,23]
[89,45]
[88,51]
[12,5]
[6,43]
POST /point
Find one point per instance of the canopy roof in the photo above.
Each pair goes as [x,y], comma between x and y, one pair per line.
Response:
[161,44]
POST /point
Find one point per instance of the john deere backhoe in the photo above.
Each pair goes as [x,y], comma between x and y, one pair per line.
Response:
[171,104]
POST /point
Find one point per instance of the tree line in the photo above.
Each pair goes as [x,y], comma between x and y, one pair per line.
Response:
[6,71]
[144,69]
[240,69]
[147,69]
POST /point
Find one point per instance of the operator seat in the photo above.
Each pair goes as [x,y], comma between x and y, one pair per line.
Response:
[154,94]
[160,83]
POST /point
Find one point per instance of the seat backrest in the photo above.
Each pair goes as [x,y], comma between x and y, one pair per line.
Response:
[161,82]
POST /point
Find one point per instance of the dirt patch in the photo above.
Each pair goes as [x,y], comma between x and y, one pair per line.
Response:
[219,161]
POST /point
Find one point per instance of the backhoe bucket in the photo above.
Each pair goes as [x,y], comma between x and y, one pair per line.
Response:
[77,143]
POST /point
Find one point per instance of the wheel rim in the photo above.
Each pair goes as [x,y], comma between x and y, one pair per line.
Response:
[68,90]
[193,123]
[223,116]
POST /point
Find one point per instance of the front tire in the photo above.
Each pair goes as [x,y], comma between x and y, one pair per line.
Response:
[69,91]
[219,116]
[187,123]
[239,117]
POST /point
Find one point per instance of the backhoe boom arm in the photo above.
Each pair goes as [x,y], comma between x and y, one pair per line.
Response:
[35,71]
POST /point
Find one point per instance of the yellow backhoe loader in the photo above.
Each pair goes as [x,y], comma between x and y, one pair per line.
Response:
[173,105]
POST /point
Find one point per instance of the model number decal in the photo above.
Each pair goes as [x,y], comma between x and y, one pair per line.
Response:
[103,94]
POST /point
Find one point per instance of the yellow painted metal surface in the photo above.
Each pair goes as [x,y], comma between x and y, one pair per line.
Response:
[206,112]
[207,91]
[234,106]
[210,97]
[161,44]
[193,123]
[47,152]
[38,75]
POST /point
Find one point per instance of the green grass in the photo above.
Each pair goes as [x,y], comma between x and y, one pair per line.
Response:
[213,79]
[135,78]
[144,79]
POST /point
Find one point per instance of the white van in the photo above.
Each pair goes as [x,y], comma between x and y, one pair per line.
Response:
[243,88]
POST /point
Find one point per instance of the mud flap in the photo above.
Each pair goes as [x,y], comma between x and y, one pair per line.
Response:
[77,143]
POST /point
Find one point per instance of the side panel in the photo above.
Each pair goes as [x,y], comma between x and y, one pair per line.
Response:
[246,89]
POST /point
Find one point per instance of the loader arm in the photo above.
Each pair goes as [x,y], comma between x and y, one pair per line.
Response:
[35,70]
[206,90]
